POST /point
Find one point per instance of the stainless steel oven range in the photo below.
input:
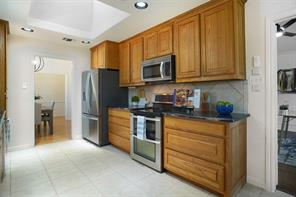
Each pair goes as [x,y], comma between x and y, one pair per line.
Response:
[147,149]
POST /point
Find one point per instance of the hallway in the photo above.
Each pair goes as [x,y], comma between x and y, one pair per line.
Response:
[61,132]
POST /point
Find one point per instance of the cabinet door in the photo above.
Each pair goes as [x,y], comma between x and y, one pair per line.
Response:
[217,41]
[124,63]
[188,49]
[165,40]
[150,45]
[3,34]
[136,46]
[94,58]
[101,56]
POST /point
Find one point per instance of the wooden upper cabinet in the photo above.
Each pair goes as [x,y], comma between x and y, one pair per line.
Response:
[217,37]
[158,42]
[105,55]
[223,41]
[94,57]
[150,45]
[124,64]
[136,58]
[187,49]
[165,40]
[4,29]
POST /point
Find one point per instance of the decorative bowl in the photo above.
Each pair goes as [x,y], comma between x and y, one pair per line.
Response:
[224,109]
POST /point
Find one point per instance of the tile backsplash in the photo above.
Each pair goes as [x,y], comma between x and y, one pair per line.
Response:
[235,92]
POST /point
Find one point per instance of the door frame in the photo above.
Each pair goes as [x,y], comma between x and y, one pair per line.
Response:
[271,122]
[50,56]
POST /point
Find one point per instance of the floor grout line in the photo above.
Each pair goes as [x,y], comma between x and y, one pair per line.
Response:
[46,171]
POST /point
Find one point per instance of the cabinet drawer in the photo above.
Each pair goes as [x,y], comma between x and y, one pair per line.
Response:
[119,130]
[119,113]
[195,126]
[201,146]
[119,121]
[119,142]
[201,172]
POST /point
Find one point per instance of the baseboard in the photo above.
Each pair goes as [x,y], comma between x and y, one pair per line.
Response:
[77,137]
[255,182]
[21,147]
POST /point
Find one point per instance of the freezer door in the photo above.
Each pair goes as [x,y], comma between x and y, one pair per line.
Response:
[90,128]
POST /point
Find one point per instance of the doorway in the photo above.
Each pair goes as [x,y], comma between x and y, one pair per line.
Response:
[286,69]
[53,101]
[276,176]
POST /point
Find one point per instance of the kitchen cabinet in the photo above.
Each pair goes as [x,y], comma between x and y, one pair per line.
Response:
[119,128]
[105,55]
[136,59]
[124,64]
[223,41]
[187,49]
[3,61]
[158,42]
[209,153]
[210,43]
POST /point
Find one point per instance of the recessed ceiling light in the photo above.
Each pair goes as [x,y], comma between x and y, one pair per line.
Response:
[141,5]
[27,29]
[68,39]
[85,42]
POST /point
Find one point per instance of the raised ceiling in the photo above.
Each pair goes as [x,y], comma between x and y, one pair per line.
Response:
[88,19]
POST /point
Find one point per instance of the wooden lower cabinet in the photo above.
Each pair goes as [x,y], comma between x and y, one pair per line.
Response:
[209,153]
[119,128]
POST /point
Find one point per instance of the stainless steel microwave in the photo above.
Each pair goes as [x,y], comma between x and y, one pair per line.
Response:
[159,69]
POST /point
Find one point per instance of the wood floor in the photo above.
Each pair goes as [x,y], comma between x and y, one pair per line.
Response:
[61,132]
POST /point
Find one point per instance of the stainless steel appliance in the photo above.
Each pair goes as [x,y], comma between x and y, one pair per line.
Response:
[149,149]
[100,90]
[4,140]
[159,69]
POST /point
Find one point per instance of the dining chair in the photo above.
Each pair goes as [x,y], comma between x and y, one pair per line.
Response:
[47,116]
[38,117]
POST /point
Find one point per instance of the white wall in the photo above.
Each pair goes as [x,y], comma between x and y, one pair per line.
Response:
[287,60]
[51,88]
[256,13]
[21,52]
[64,67]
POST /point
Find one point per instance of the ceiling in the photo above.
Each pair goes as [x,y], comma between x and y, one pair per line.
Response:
[91,20]
[286,43]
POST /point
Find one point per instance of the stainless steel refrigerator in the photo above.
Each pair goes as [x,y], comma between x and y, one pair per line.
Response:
[100,90]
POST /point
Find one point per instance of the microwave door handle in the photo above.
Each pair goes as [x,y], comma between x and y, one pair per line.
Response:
[161,70]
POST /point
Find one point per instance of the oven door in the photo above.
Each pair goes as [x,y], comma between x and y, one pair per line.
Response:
[147,151]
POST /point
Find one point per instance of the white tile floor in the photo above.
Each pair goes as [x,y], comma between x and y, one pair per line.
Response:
[80,169]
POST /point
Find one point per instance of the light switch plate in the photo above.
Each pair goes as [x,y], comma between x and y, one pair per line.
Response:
[256,61]
[24,85]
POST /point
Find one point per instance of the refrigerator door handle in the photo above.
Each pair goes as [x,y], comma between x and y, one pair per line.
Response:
[94,92]
[90,117]
[87,92]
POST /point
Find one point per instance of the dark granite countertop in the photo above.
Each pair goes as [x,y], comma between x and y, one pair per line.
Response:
[212,116]
[131,107]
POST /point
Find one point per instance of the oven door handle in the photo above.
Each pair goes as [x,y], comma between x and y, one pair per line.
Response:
[161,70]
[147,140]
[151,119]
